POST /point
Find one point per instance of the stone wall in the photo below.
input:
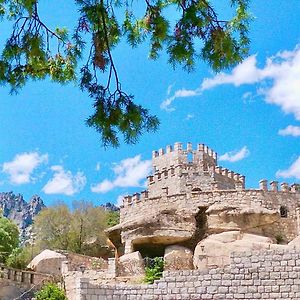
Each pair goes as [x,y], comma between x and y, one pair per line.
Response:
[14,282]
[141,206]
[75,261]
[273,274]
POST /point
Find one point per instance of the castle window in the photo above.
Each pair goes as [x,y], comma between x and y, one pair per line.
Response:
[283,212]
[190,157]
[166,173]
[159,175]
[172,171]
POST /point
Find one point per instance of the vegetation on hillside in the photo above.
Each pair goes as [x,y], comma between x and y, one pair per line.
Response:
[9,238]
[79,230]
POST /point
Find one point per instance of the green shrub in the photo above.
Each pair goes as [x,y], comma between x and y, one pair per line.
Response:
[19,258]
[50,292]
[154,269]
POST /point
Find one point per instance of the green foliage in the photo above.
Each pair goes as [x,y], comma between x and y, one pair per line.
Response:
[75,230]
[33,51]
[9,238]
[154,269]
[113,218]
[20,258]
[279,238]
[50,292]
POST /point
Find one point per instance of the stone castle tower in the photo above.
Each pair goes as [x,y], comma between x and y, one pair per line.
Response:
[177,170]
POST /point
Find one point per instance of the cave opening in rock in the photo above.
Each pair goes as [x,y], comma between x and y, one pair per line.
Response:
[201,227]
[150,250]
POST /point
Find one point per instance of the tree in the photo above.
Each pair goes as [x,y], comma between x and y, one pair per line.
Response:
[113,218]
[20,257]
[9,238]
[35,51]
[60,228]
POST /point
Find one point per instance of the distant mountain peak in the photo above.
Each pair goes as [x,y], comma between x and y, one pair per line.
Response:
[15,208]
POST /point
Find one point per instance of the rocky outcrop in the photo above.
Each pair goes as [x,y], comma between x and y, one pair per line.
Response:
[178,258]
[131,265]
[21,212]
[215,250]
[223,217]
[166,228]
[48,262]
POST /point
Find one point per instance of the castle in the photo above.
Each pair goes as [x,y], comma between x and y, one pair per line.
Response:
[190,197]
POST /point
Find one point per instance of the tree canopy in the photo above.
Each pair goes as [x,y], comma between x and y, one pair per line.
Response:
[34,51]
[9,237]
[80,230]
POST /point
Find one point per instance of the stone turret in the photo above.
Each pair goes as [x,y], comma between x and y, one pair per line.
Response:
[183,169]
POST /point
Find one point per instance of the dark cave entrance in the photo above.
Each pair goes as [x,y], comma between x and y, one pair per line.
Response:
[201,227]
[150,250]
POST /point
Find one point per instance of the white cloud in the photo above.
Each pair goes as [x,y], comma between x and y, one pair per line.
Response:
[292,171]
[280,79]
[234,156]
[22,167]
[189,117]
[244,73]
[120,200]
[182,93]
[129,173]
[290,130]
[103,187]
[98,166]
[64,182]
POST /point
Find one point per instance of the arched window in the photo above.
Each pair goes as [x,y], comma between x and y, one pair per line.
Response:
[283,211]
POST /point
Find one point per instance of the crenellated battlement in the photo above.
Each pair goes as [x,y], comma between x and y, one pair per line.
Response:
[177,169]
[178,148]
[274,186]
[142,200]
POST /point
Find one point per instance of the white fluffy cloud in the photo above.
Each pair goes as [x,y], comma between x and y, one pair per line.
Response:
[292,172]
[20,170]
[290,130]
[281,73]
[98,167]
[189,117]
[120,200]
[234,156]
[64,182]
[183,93]
[129,173]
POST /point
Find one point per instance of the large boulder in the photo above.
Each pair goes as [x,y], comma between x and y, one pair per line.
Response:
[256,219]
[178,258]
[131,265]
[215,250]
[295,243]
[47,261]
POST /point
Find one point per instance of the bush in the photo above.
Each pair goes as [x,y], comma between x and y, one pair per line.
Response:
[19,258]
[154,269]
[50,292]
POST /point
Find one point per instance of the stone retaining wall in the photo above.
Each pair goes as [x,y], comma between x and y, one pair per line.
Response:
[14,282]
[272,274]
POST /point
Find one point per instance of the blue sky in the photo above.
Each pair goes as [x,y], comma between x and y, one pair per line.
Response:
[249,115]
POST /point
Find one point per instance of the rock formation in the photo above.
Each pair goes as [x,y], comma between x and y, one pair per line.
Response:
[21,212]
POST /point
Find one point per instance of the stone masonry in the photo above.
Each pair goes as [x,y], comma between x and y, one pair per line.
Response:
[272,274]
